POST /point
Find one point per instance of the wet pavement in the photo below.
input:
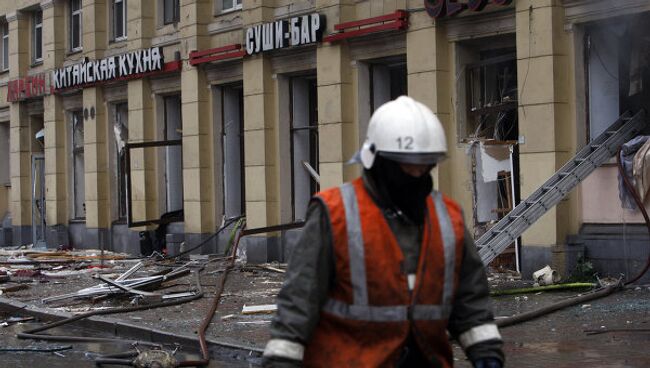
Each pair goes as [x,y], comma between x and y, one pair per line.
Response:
[559,339]
[555,340]
[81,354]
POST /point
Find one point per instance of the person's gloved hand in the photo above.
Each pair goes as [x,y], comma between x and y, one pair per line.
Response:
[487,363]
[277,362]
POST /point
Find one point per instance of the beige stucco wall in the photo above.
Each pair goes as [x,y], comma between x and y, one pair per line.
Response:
[4,200]
[546,60]
[603,183]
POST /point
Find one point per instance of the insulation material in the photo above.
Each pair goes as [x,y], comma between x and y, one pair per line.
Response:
[493,158]
[641,170]
[490,160]
[628,152]
[486,199]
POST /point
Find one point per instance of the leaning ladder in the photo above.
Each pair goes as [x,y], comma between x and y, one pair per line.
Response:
[597,152]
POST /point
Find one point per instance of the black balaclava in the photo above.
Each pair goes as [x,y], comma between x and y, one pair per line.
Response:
[401,190]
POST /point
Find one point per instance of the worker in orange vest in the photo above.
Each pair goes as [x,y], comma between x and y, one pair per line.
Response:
[385,272]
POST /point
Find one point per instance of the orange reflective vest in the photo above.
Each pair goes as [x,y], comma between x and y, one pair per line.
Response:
[370,310]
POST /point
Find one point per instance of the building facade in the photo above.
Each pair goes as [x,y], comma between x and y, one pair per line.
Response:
[117,113]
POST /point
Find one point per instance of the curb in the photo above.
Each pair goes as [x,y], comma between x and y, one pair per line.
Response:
[121,328]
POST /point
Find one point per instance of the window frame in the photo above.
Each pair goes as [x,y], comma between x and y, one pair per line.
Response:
[4,47]
[176,12]
[312,128]
[5,172]
[37,47]
[236,5]
[114,19]
[76,13]
[121,165]
[76,116]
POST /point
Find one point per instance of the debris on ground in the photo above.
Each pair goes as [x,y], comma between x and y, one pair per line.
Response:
[125,284]
[259,309]
[546,276]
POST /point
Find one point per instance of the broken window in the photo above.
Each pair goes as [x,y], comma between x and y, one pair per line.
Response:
[120,138]
[173,154]
[304,142]
[491,93]
[487,109]
[617,70]
[232,143]
[78,171]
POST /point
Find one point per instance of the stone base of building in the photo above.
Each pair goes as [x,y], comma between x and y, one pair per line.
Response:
[616,249]
[6,231]
[6,237]
[56,236]
[21,235]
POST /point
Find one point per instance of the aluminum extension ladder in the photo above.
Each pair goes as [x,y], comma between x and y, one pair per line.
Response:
[594,154]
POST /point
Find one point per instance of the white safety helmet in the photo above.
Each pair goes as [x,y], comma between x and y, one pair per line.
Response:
[404,130]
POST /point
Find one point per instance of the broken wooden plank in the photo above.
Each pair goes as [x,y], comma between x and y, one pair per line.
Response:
[259,309]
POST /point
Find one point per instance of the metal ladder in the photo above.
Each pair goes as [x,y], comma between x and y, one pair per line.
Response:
[594,154]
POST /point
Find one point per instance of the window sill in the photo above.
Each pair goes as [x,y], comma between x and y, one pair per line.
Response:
[74,52]
[36,63]
[77,221]
[227,11]
[118,40]
[120,221]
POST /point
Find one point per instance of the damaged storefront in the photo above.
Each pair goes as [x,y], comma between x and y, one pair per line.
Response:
[167,132]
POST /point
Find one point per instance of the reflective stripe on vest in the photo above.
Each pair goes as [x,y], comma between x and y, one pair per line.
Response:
[360,310]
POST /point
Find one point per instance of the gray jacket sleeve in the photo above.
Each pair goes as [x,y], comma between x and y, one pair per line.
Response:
[471,321]
[307,280]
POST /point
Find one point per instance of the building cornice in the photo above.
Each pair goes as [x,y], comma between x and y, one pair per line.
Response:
[14,15]
[581,11]
[46,4]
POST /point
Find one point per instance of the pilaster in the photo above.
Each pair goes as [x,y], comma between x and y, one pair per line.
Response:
[197,123]
[54,119]
[94,28]
[428,82]
[141,23]
[337,134]
[260,143]
[144,189]
[543,86]
[260,128]
[96,159]
[20,141]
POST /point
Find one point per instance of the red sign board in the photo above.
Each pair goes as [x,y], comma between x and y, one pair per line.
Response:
[447,8]
[28,87]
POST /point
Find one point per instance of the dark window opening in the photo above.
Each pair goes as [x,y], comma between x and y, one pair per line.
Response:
[78,186]
[492,96]
[387,82]
[617,70]
[304,142]
[75,25]
[119,19]
[171,11]
[232,139]
[37,36]
[4,31]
